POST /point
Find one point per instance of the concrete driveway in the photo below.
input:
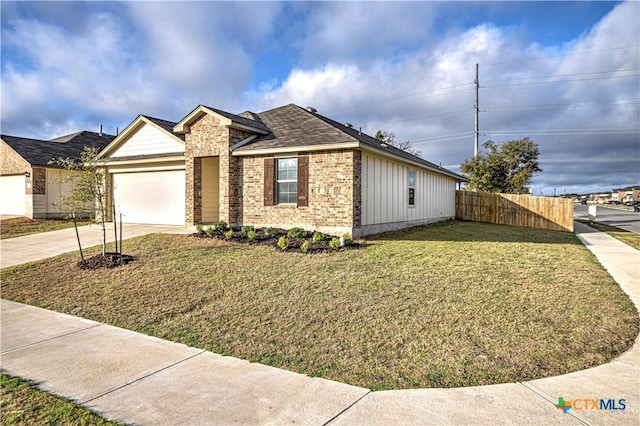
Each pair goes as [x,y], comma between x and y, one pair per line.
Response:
[14,251]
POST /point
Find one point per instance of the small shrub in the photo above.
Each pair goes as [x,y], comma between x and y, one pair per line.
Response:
[246,228]
[269,232]
[347,238]
[318,236]
[251,234]
[305,246]
[283,242]
[334,243]
[229,234]
[221,226]
[199,227]
[296,233]
[209,231]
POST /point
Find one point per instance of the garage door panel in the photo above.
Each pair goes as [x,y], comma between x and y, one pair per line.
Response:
[150,197]
[12,195]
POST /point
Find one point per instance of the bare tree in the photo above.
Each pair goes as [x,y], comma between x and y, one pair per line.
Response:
[86,194]
[390,139]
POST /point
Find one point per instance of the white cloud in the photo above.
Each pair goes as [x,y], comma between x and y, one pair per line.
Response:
[112,63]
[379,65]
[402,94]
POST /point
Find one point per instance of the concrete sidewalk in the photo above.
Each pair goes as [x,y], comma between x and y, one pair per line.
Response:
[18,250]
[144,380]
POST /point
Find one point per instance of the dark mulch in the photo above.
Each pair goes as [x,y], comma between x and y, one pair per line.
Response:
[272,240]
[108,260]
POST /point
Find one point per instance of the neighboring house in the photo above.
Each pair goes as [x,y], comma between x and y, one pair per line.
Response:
[285,167]
[626,195]
[29,185]
[602,198]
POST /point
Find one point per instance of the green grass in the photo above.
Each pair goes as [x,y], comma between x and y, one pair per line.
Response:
[444,305]
[627,237]
[20,226]
[23,404]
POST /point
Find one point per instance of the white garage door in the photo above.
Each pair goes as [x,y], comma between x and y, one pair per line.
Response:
[150,197]
[12,195]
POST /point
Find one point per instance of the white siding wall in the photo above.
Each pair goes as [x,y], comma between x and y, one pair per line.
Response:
[13,198]
[54,188]
[385,193]
[148,140]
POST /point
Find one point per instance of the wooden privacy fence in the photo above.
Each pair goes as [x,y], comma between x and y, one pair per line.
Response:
[555,214]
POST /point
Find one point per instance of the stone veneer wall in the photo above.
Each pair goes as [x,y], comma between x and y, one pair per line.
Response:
[13,164]
[207,138]
[334,184]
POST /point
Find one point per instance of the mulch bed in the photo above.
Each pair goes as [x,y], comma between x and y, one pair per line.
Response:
[108,260]
[294,243]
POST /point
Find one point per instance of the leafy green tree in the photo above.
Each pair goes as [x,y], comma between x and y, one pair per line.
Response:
[390,139]
[86,195]
[506,167]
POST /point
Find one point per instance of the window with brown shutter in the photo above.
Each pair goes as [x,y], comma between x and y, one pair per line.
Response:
[269,176]
[303,181]
[286,181]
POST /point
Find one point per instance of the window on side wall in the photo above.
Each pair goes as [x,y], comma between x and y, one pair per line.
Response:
[287,180]
[412,187]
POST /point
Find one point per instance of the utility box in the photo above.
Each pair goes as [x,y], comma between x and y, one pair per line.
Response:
[592,213]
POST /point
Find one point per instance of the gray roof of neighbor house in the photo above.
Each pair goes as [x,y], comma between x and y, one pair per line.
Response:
[39,152]
[294,126]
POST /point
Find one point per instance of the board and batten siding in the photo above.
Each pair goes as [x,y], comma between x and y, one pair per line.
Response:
[149,140]
[385,195]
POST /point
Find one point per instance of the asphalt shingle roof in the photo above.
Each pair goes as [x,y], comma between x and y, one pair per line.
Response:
[242,119]
[39,152]
[294,126]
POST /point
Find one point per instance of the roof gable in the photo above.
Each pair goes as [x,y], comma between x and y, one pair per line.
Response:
[227,119]
[145,135]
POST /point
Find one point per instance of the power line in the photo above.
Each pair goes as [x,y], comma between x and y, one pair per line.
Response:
[411,118]
[561,56]
[407,95]
[562,81]
[444,138]
[562,75]
[493,108]
[558,132]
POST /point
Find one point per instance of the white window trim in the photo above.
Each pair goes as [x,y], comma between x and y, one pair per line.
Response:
[278,181]
[409,187]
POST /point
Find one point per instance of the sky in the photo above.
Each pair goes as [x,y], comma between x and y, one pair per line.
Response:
[565,74]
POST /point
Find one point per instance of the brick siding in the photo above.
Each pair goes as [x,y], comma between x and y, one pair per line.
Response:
[11,163]
[331,194]
[207,138]
[334,184]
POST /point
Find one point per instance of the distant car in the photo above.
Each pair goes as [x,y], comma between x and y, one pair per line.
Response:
[629,203]
[636,207]
[583,202]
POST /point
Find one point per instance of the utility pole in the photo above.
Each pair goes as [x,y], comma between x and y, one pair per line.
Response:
[476,132]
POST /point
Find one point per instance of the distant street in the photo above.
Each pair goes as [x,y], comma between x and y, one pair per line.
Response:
[628,220]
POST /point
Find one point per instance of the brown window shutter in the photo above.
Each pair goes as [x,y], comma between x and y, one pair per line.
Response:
[303,181]
[269,181]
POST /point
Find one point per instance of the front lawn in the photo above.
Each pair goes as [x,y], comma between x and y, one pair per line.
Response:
[449,304]
[19,226]
[24,404]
